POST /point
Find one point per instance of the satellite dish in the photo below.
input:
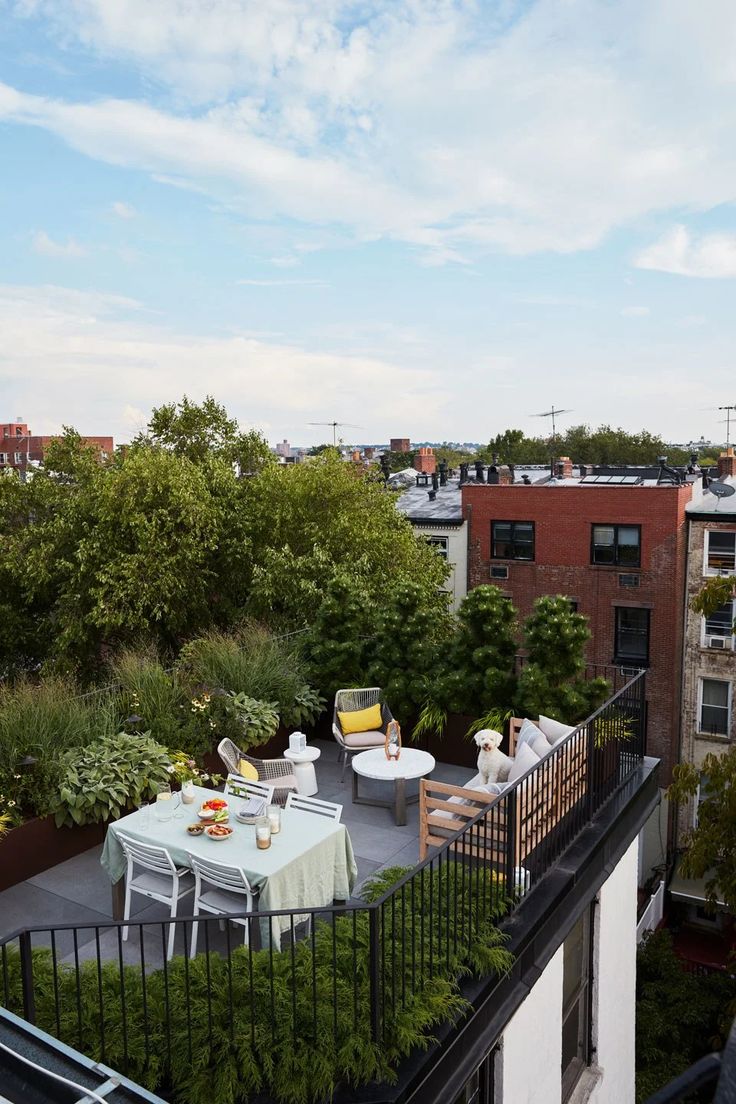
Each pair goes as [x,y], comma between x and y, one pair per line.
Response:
[721,490]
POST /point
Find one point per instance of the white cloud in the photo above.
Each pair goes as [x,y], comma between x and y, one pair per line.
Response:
[47,247]
[91,361]
[711,256]
[635,312]
[123,210]
[552,124]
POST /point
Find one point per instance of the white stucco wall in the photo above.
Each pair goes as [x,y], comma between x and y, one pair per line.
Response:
[530,1058]
[614,983]
[531,1049]
[457,557]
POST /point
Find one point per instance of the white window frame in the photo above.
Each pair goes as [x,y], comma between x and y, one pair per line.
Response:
[440,544]
[4,457]
[699,718]
[729,640]
[717,571]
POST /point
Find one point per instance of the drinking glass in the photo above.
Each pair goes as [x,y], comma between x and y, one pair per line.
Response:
[177,806]
[144,820]
[273,812]
[263,833]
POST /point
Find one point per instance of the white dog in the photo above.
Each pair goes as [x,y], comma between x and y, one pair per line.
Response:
[491,761]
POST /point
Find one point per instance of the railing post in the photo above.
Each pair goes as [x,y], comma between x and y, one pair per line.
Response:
[26,976]
[374,973]
[590,756]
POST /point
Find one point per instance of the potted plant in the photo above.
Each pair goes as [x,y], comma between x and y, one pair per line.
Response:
[185,771]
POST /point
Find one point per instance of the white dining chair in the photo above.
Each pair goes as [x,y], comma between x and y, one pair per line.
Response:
[158,878]
[237,786]
[219,889]
[328,809]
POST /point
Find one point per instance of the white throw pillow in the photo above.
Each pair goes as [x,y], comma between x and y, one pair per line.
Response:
[527,733]
[540,745]
[497,788]
[525,758]
[554,730]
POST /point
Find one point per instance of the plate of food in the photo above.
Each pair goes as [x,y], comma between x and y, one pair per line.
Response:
[195,829]
[218,831]
[215,811]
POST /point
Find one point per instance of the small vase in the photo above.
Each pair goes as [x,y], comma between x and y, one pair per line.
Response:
[187,792]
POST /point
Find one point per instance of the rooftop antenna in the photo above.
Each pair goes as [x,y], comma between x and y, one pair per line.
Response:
[553,413]
[728,410]
[343,425]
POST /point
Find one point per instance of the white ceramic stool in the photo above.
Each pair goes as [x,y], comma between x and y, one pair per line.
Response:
[303,762]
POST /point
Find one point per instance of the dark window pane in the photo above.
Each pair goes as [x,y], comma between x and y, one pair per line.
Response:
[714,707]
[632,633]
[512,540]
[721,551]
[720,622]
[603,544]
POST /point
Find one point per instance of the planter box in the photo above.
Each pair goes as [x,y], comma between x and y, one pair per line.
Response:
[38,845]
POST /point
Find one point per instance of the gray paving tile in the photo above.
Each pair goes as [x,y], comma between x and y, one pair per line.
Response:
[26,905]
[83,880]
[378,844]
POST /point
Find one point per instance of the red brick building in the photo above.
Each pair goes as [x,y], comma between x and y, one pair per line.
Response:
[615,545]
[18,446]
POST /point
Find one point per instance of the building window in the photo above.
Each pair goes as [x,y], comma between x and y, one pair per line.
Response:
[18,457]
[714,713]
[440,544]
[632,635]
[701,796]
[480,1088]
[718,627]
[512,540]
[720,552]
[3,457]
[576,1001]
[616,545]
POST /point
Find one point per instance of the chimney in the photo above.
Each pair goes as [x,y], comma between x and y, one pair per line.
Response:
[424,461]
[726,464]
[463,473]
[443,473]
[479,471]
[356,456]
[369,453]
[435,482]
[432,495]
[563,468]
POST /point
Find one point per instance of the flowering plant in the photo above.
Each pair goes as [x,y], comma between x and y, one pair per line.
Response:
[184,769]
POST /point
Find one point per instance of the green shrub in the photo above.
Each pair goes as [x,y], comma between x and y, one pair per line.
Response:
[254,662]
[44,719]
[148,690]
[218,1031]
[100,781]
[257,720]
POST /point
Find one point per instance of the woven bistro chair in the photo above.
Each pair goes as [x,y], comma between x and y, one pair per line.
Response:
[349,701]
[276,772]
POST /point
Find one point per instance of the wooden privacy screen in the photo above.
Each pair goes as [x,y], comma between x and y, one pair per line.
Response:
[538,802]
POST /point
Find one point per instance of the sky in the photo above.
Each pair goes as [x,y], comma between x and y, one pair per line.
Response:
[425,218]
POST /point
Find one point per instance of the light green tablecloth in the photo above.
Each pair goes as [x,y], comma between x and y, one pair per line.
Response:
[309,864]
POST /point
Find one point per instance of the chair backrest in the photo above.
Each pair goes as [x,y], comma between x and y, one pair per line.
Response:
[231,878]
[246,787]
[328,809]
[347,701]
[230,754]
[146,854]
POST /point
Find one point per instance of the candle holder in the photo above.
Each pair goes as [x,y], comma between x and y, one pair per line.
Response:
[263,833]
[274,816]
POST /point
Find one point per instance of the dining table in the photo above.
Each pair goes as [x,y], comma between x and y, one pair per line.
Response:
[309,865]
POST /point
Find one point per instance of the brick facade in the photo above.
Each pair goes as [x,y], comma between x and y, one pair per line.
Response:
[18,446]
[563,517]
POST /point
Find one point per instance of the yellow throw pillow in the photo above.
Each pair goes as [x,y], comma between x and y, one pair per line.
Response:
[361,720]
[247,770]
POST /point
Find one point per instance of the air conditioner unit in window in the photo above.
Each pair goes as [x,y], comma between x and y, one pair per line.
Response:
[628,579]
[499,571]
[722,642]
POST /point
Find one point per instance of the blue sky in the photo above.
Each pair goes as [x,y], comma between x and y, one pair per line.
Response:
[429,218]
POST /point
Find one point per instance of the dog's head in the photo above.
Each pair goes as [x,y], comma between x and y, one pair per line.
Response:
[488,739]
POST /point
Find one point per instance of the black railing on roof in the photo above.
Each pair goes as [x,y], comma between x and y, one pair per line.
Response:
[357,975]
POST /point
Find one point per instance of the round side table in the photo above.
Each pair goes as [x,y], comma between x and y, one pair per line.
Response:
[303,763]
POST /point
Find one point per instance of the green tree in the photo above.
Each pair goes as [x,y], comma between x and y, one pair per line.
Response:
[514,447]
[552,680]
[309,522]
[679,1016]
[716,592]
[710,848]
[412,630]
[201,430]
[481,657]
[338,641]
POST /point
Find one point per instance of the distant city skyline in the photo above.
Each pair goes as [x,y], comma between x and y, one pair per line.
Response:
[430,219]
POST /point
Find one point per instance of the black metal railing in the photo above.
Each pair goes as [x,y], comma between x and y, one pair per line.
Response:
[356,983]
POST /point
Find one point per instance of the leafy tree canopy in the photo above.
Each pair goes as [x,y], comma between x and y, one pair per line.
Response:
[203,430]
[711,846]
[604,445]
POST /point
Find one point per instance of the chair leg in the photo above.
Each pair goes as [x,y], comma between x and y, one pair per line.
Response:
[126,907]
[195,929]
[172,926]
[344,765]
